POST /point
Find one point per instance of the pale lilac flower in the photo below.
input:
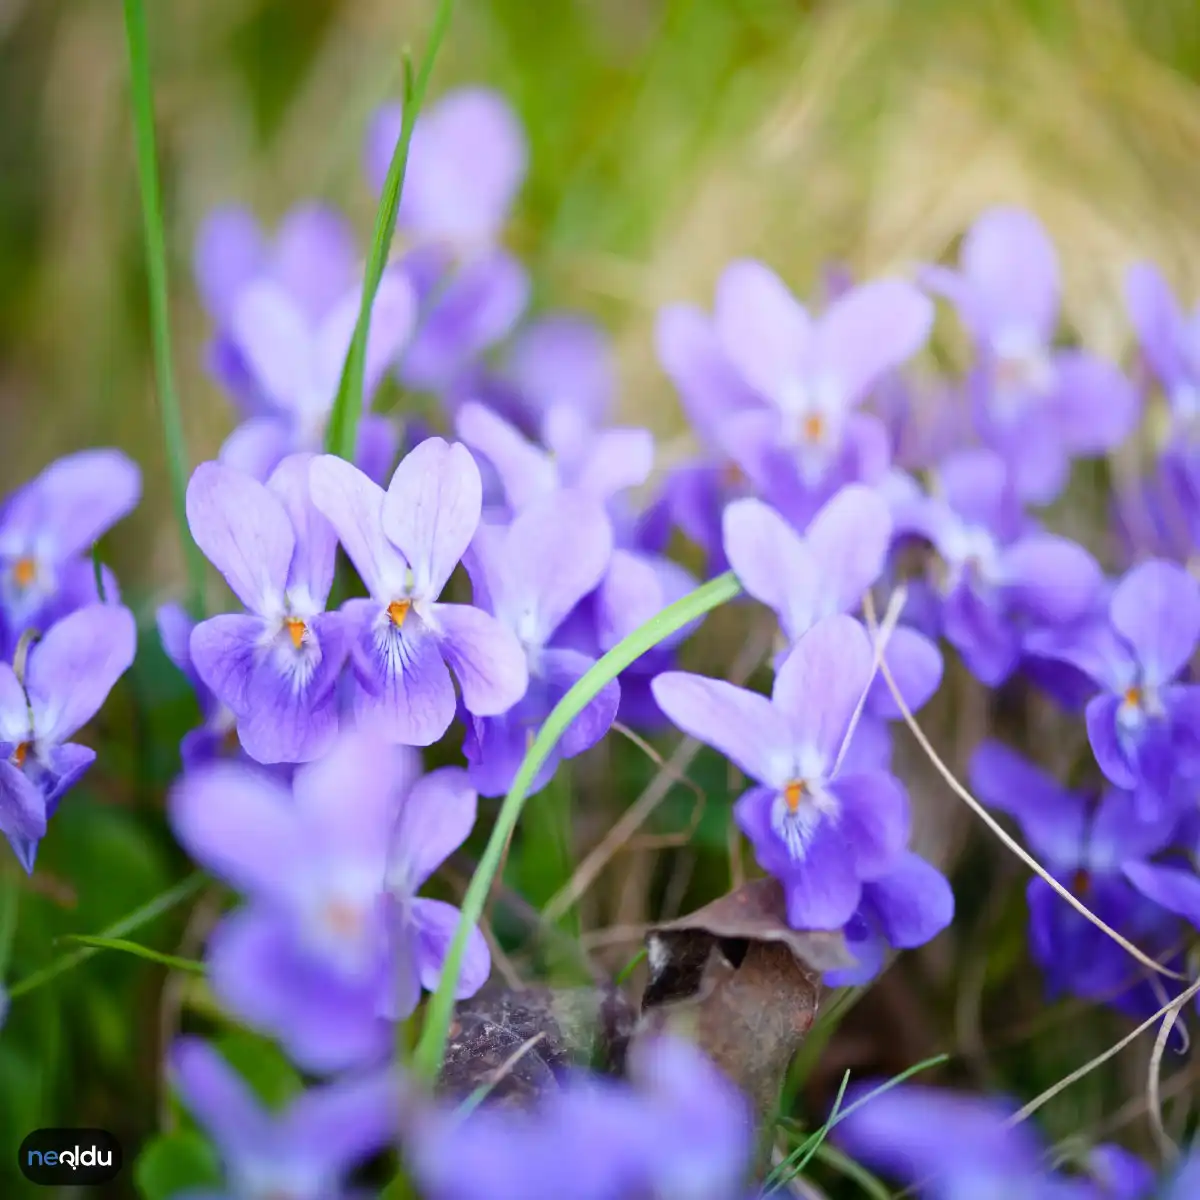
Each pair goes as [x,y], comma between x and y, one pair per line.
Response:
[820,829]
[47,528]
[1035,404]
[275,666]
[404,543]
[531,575]
[296,361]
[304,1152]
[67,676]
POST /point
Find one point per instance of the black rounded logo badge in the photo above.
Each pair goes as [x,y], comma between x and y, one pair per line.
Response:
[70,1157]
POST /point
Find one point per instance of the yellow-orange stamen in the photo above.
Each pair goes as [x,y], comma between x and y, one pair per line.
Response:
[24,571]
[295,628]
[1133,697]
[20,754]
[398,610]
[814,427]
[342,918]
[1081,883]
[793,793]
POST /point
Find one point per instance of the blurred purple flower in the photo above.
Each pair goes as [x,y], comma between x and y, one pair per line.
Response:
[47,528]
[1089,845]
[1001,575]
[820,830]
[1036,405]
[335,942]
[828,570]
[1121,1175]
[276,667]
[302,1153]
[296,362]
[531,575]
[66,677]
[903,909]
[404,543]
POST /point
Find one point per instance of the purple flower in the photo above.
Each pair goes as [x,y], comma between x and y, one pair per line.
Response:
[599,462]
[1000,575]
[302,1153]
[296,362]
[531,575]
[47,528]
[1036,405]
[903,909]
[1089,845]
[404,543]
[276,666]
[466,163]
[67,675]
[949,1146]
[820,830]
[828,570]
[1121,1175]
[335,942]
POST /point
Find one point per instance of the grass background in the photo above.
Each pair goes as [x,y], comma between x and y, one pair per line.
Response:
[667,136]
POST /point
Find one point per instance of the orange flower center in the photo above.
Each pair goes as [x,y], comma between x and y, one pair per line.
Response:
[20,754]
[814,427]
[1133,697]
[398,610]
[295,628]
[24,572]
[793,793]
[1081,882]
[343,918]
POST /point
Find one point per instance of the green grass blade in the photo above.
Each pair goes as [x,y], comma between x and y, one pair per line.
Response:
[151,910]
[427,1058]
[135,948]
[156,272]
[341,437]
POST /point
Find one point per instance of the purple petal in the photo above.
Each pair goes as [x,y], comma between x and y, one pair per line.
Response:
[849,539]
[224,653]
[1120,1174]
[1103,734]
[561,670]
[1095,406]
[314,257]
[22,812]
[874,820]
[1052,578]
[436,817]
[485,656]
[1156,608]
[988,643]
[915,664]
[436,924]
[431,511]
[353,505]
[912,902]
[742,725]
[869,331]
[1158,321]
[752,812]
[217,1097]
[244,532]
[257,446]
[618,459]
[315,553]
[340,1124]
[526,471]
[378,444]
[224,815]
[976,486]
[276,341]
[563,359]
[66,508]
[773,563]
[383,133]
[230,253]
[1177,889]
[635,588]
[175,627]
[824,890]
[1012,265]
[73,668]
[821,681]
[1120,833]
[763,329]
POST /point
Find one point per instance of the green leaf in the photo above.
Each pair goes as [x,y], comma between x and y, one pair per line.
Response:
[171,1163]
[262,1065]
[127,947]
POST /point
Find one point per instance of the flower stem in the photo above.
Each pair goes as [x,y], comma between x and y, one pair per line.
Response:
[427,1058]
[156,272]
[341,437]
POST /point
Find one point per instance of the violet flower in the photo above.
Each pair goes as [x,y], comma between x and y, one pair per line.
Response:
[47,529]
[276,666]
[404,543]
[1090,845]
[812,374]
[296,362]
[1036,405]
[1000,575]
[304,1152]
[803,579]
[530,576]
[66,677]
[1121,1175]
[335,943]
[819,829]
